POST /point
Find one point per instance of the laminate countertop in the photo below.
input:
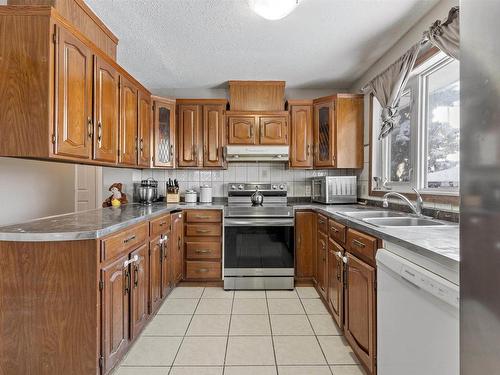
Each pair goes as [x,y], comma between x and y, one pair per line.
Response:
[440,243]
[91,224]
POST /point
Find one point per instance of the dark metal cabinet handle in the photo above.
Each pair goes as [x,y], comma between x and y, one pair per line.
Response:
[99,133]
[127,240]
[127,282]
[203,251]
[136,276]
[202,217]
[335,230]
[90,127]
[202,231]
[162,223]
[358,243]
[308,150]
[203,270]
[141,145]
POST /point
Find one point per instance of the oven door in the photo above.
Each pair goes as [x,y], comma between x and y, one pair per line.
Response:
[258,247]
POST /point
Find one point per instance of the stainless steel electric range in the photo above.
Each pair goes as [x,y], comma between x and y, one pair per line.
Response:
[258,238]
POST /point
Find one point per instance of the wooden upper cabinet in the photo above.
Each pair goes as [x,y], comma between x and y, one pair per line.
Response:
[360,310]
[189,135]
[338,131]
[115,312]
[128,122]
[350,129]
[324,134]
[144,130]
[74,125]
[273,130]
[301,142]
[164,133]
[241,130]
[106,97]
[213,135]
[139,290]
[305,239]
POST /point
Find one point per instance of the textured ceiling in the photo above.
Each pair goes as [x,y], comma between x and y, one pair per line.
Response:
[169,44]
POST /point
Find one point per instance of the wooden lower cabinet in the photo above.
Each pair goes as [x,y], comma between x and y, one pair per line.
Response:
[335,293]
[139,287]
[155,281]
[321,261]
[177,246]
[115,311]
[360,310]
[305,239]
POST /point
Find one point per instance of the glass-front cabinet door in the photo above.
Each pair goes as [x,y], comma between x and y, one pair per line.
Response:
[164,133]
[324,134]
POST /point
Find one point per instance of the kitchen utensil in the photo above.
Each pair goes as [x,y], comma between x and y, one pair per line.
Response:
[190,196]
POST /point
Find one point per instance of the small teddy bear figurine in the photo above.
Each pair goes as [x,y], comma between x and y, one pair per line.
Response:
[118,198]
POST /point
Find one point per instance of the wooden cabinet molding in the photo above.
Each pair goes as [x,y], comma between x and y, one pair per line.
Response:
[144,130]
[257,95]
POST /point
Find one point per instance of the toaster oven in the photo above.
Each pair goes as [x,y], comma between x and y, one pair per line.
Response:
[334,189]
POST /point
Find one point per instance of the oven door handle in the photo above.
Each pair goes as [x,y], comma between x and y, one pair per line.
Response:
[261,222]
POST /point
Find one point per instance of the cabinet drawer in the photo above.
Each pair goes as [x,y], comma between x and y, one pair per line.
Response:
[123,241]
[204,216]
[203,230]
[203,250]
[322,224]
[337,231]
[159,226]
[361,245]
[203,270]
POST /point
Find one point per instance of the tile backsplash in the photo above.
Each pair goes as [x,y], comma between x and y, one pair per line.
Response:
[297,180]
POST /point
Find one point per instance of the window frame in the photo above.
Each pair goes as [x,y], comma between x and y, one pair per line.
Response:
[429,62]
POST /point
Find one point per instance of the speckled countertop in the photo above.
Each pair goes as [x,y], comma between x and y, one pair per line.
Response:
[90,224]
[439,243]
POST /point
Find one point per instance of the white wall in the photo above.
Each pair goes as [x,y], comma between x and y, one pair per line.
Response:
[440,11]
[31,189]
[126,176]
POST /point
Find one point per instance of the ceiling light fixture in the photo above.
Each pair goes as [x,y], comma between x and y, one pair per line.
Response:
[273,9]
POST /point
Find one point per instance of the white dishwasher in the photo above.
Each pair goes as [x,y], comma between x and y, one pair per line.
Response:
[417,319]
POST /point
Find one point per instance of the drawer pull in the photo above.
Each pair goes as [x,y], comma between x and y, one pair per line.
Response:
[202,217]
[127,240]
[202,231]
[127,282]
[203,251]
[136,276]
[321,222]
[203,270]
[162,223]
[358,243]
[334,229]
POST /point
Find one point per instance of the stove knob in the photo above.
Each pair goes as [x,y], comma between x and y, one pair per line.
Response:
[233,187]
[240,187]
[282,187]
[274,187]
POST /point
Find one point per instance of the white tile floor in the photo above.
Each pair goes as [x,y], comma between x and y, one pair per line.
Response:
[208,331]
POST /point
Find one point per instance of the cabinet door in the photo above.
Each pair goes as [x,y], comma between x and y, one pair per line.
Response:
[305,234]
[301,145]
[177,246]
[155,259]
[164,135]
[189,135]
[273,130]
[350,128]
[324,135]
[241,130]
[336,281]
[213,135]
[322,262]
[144,152]
[115,311]
[140,290]
[128,122]
[106,96]
[74,125]
[360,310]
[166,266]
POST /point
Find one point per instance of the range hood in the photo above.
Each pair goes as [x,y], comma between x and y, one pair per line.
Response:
[257,153]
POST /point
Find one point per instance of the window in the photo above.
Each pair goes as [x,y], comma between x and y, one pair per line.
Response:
[423,148]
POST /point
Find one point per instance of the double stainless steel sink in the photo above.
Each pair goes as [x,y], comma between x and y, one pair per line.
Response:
[394,219]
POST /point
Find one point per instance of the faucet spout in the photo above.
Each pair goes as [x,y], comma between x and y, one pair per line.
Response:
[416,208]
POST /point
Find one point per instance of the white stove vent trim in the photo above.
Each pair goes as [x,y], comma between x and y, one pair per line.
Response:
[258,153]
